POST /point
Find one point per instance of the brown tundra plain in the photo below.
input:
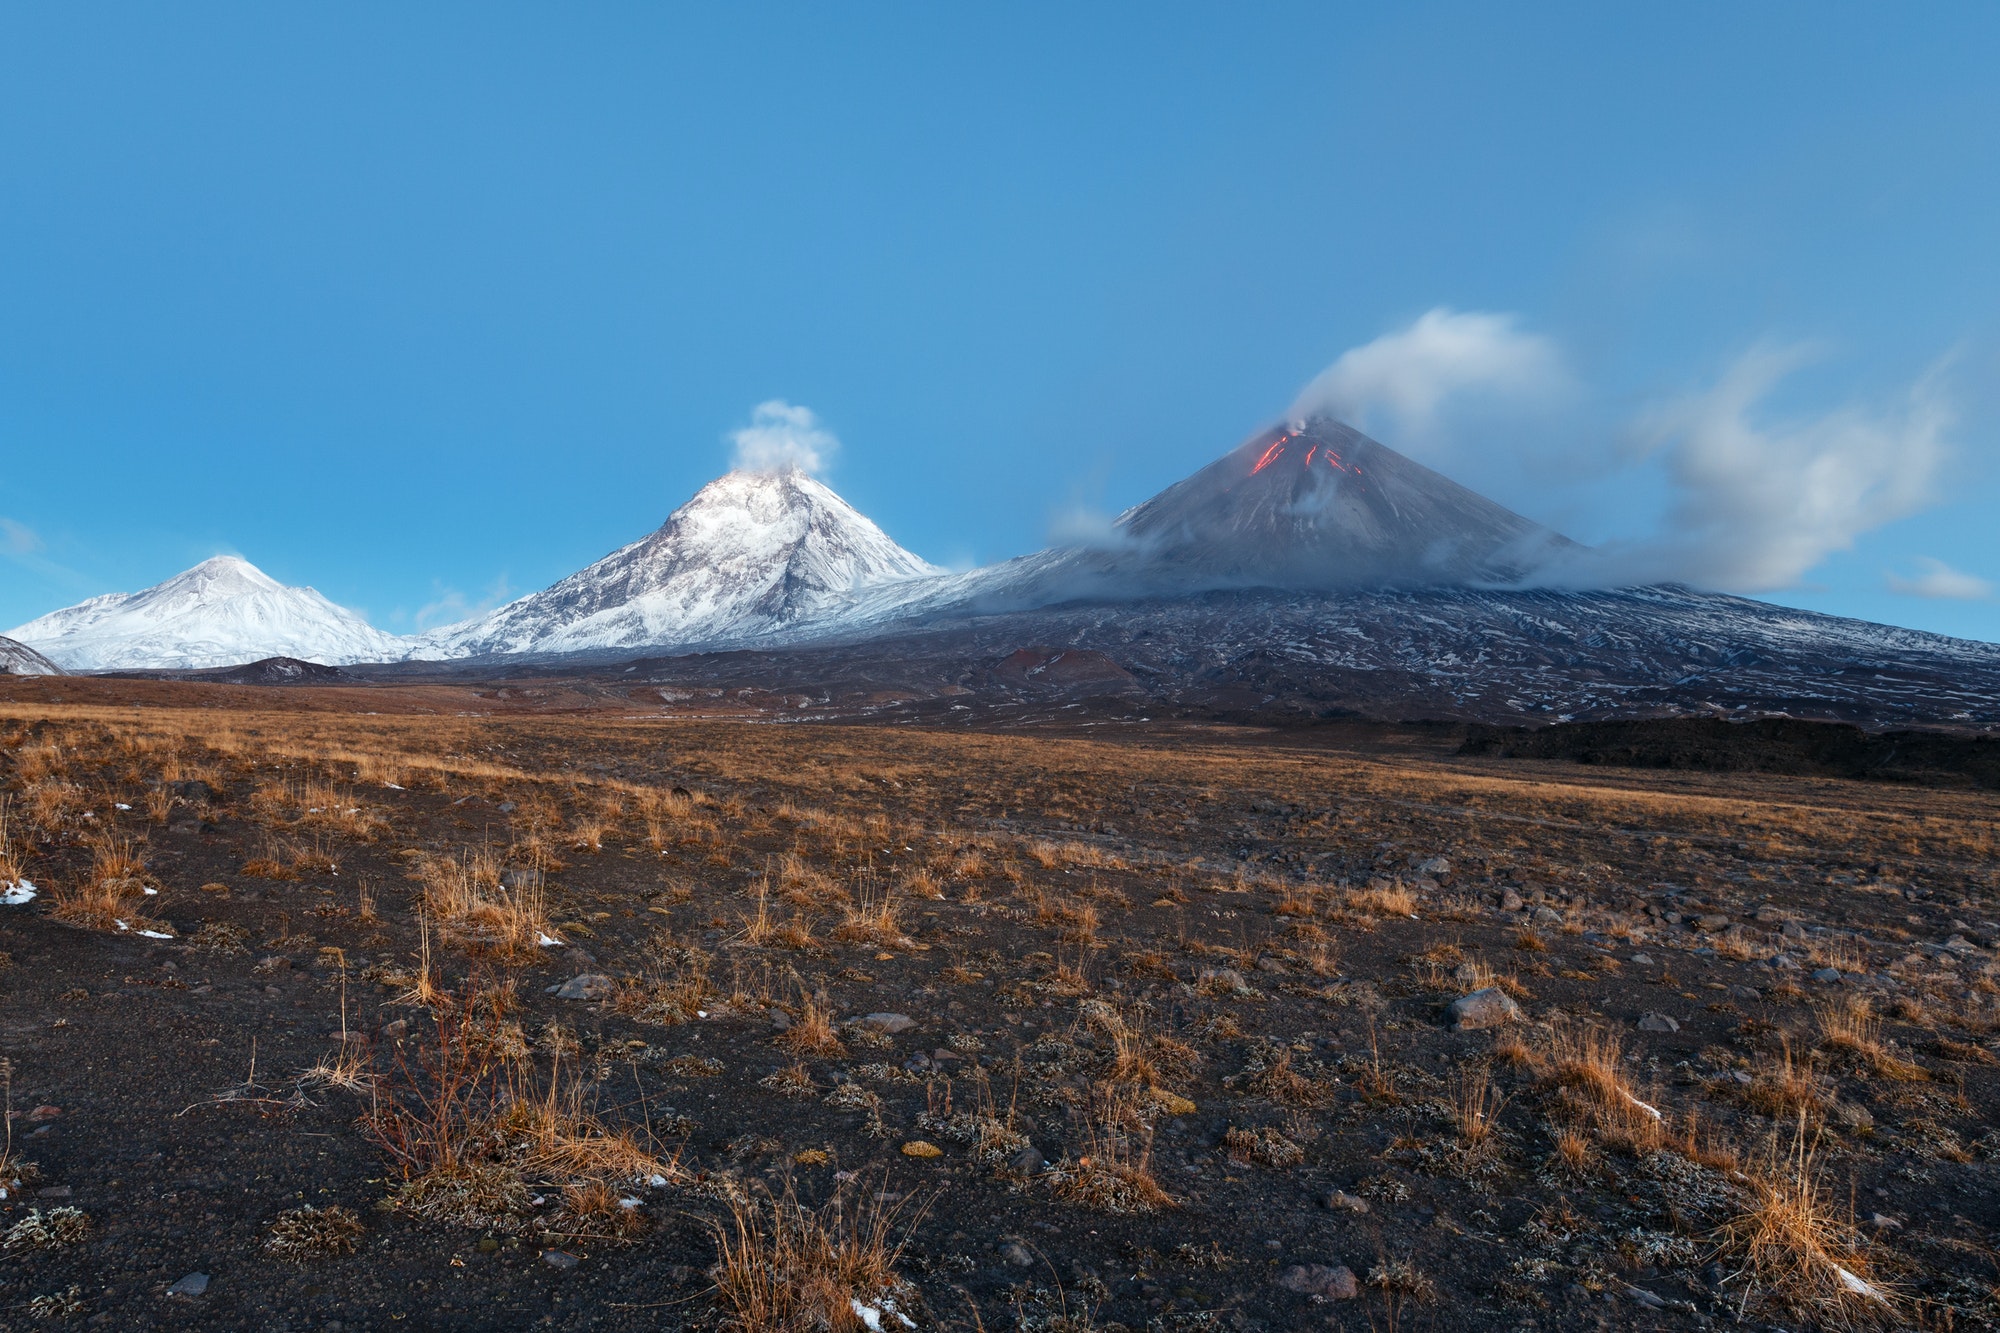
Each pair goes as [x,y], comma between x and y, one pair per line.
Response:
[414,1006]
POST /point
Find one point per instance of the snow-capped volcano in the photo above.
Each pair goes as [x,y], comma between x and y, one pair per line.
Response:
[18,659]
[751,553]
[221,612]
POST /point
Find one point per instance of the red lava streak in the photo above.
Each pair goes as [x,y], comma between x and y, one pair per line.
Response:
[1276,450]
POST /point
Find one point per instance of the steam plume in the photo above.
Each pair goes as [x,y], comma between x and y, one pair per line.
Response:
[782,436]
[1407,376]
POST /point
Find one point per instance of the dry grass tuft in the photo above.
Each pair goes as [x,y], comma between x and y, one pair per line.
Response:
[1796,1251]
[784,1268]
[114,894]
[466,896]
[1849,1024]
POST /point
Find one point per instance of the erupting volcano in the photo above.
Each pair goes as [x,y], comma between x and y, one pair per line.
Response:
[1313,506]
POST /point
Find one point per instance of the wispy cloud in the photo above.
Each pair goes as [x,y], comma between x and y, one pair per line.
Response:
[1758,499]
[1938,580]
[1403,381]
[781,435]
[18,538]
[451,606]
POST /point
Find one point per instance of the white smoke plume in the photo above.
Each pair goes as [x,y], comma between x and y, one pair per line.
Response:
[1408,376]
[781,435]
[1936,579]
[1759,502]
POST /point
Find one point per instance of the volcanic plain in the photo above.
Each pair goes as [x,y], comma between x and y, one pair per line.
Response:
[445,1006]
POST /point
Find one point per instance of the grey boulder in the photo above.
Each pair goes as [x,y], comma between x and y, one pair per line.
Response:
[1488,1008]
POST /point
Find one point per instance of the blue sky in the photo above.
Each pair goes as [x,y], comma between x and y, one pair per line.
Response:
[424,304]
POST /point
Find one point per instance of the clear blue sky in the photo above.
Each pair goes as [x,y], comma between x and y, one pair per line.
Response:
[402,301]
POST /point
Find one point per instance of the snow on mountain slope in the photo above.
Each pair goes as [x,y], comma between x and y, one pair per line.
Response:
[221,612]
[751,553]
[18,659]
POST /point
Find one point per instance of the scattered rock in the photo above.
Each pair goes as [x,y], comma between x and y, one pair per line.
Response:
[1437,867]
[1711,921]
[1017,1255]
[1643,959]
[1028,1162]
[1510,901]
[1222,981]
[194,1284]
[1883,1222]
[584,986]
[1640,1296]
[1548,916]
[1655,1022]
[1827,974]
[1343,1202]
[1333,1283]
[1745,993]
[889,1023]
[1487,1008]
[561,1259]
[781,1020]
[1783,962]
[1792,930]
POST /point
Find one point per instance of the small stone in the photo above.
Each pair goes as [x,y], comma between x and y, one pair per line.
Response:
[585,986]
[1548,916]
[1328,1282]
[889,1023]
[506,807]
[1437,867]
[560,1259]
[1225,980]
[1027,1162]
[1643,959]
[1654,1022]
[781,1020]
[1711,921]
[53,1192]
[922,1148]
[1487,1008]
[1510,901]
[1641,1296]
[1343,1202]
[1883,1222]
[194,1284]
[1792,930]
[1827,974]
[488,1245]
[1017,1255]
[1745,993]
[1784,962]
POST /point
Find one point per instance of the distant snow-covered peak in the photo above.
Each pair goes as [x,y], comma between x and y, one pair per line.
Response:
[221,612]
[751,552]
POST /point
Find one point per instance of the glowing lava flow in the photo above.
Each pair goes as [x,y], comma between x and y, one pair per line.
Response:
[1272,454]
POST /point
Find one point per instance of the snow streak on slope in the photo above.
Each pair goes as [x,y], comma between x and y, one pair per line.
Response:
[221,612]
[750,554]
[18,659]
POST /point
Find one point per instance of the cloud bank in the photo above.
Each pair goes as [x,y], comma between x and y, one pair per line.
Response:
[781,435]
[1936,579]
[1759,501]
